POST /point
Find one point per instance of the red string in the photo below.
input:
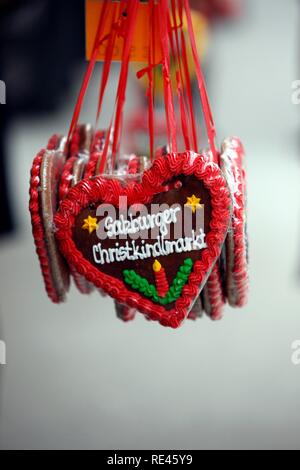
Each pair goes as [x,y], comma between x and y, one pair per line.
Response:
[88,73]
[188,89]
[187,81]
[150,93]
[202,88]
[179,79]
[129,25]
[128,37]
[125,27]
[149,70]
[108,60]
[162,19]
[183,113]
[117,30]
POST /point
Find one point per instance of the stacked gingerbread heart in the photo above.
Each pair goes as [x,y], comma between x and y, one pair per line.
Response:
[165,235]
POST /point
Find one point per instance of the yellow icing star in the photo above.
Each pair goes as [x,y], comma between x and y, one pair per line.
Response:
[90,224]
[193,202]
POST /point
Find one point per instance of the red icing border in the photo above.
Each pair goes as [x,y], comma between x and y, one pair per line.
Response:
[164,169]
[90,169]
[65,185]
[239,274]
[66,178]
[215,294]
[240,268]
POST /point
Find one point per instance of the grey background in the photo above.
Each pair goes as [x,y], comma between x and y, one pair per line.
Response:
[2,92]
[78,378]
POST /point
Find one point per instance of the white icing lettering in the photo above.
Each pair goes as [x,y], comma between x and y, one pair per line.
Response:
[133,252]
[122,226]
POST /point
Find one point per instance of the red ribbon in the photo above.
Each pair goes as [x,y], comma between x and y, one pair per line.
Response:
[173,43]
[132,11]
[210,126]
[88,74]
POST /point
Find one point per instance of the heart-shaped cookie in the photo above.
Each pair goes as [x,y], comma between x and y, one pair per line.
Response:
[213,294]
[236,246]
[197,310]
[73,173]
[157,261]
[45,176]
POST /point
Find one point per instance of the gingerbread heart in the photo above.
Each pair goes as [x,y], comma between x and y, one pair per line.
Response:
[157,261]
[73,173]
[45,176]
[197,310]
[236,246]
[213,294]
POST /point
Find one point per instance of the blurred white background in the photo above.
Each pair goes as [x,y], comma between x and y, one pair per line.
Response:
[76,377]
